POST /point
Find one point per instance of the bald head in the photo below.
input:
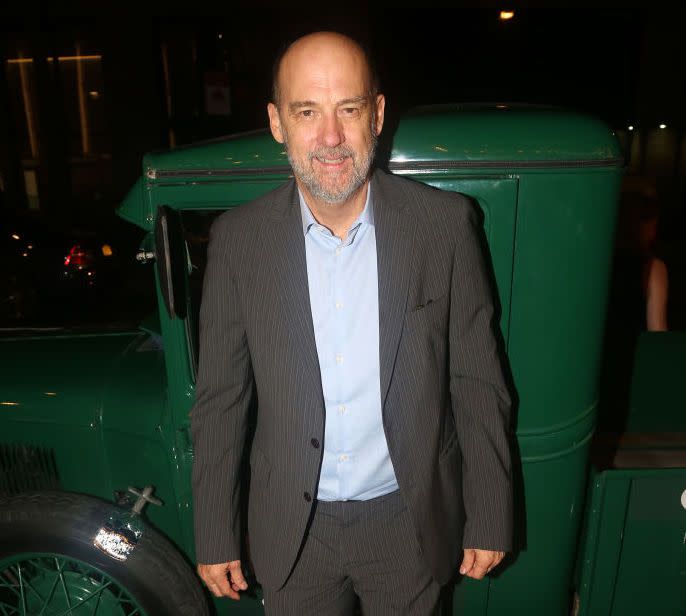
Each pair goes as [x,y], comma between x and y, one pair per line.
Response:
[319,50]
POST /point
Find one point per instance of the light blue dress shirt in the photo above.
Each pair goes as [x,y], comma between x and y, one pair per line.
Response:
[344,298]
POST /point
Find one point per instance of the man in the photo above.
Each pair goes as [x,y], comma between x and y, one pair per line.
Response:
[356,305]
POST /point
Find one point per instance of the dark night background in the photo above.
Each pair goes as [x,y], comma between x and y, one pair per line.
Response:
[73,132]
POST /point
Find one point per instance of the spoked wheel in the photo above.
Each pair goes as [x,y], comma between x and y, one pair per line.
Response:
[48,584]
[51,565]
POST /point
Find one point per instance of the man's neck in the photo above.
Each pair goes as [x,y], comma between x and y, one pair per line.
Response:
[337,217]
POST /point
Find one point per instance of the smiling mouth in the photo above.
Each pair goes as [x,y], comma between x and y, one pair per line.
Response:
[331,161]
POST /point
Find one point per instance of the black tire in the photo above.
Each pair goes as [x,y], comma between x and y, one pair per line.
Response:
[155,574]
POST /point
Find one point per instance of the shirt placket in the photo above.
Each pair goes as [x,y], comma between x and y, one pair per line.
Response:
[339,256]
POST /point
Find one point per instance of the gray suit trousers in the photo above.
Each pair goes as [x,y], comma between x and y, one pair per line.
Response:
[366,549]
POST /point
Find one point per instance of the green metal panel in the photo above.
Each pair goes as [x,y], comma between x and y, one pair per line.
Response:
[563,249]
[256,150]
[134,206]
[71,446]
[180,395]
[471,596]
[137,433]
[497,199]
[634,555]
[552,503]
[490,133]
[654,534]
[602,548]
[52,389]
[634,551]
[565,226]
[57,379]
[213,195]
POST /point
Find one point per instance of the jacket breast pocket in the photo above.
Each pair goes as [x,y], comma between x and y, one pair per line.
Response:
[431,312]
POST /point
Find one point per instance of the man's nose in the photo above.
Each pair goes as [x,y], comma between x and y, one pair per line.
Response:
[332,131]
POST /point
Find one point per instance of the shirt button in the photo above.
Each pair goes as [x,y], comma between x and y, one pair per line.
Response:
[339,305]
[339,359]
[341,408]
[307,497]
[315,443]
[338,250]
[343,458]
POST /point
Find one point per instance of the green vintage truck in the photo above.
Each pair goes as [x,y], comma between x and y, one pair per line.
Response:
[95,455]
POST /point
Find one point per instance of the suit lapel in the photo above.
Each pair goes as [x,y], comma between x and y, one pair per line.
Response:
[394,242]
[291,285]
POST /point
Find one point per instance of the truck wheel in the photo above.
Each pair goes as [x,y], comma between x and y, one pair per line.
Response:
[49,564]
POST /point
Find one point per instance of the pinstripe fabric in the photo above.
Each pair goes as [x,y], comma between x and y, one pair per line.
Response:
[446,409]
[364,548]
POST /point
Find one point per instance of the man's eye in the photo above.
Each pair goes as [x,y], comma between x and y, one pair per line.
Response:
[350,111]
[306,113]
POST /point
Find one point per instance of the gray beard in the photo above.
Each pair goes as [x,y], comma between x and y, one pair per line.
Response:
[360,171]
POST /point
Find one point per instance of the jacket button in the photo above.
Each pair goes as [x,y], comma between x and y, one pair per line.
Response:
[307,497]
[315,443]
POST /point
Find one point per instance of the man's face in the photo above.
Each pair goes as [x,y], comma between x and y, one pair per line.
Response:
[327,119]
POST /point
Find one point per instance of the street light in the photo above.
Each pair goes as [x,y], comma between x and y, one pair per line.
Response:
[506,15]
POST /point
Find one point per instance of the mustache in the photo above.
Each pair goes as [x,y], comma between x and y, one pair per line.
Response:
[340,151]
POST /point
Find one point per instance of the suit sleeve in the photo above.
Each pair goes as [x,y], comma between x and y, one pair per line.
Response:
[219,416]
[480,399]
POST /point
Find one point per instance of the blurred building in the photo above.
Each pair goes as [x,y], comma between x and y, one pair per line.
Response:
[79,107]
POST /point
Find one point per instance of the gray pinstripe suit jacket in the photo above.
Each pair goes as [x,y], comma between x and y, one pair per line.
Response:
[446,408]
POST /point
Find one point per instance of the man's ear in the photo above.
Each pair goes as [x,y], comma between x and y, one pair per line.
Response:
[275,122]
[379,108]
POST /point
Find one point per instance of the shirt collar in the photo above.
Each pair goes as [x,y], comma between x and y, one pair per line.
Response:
[366,216]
